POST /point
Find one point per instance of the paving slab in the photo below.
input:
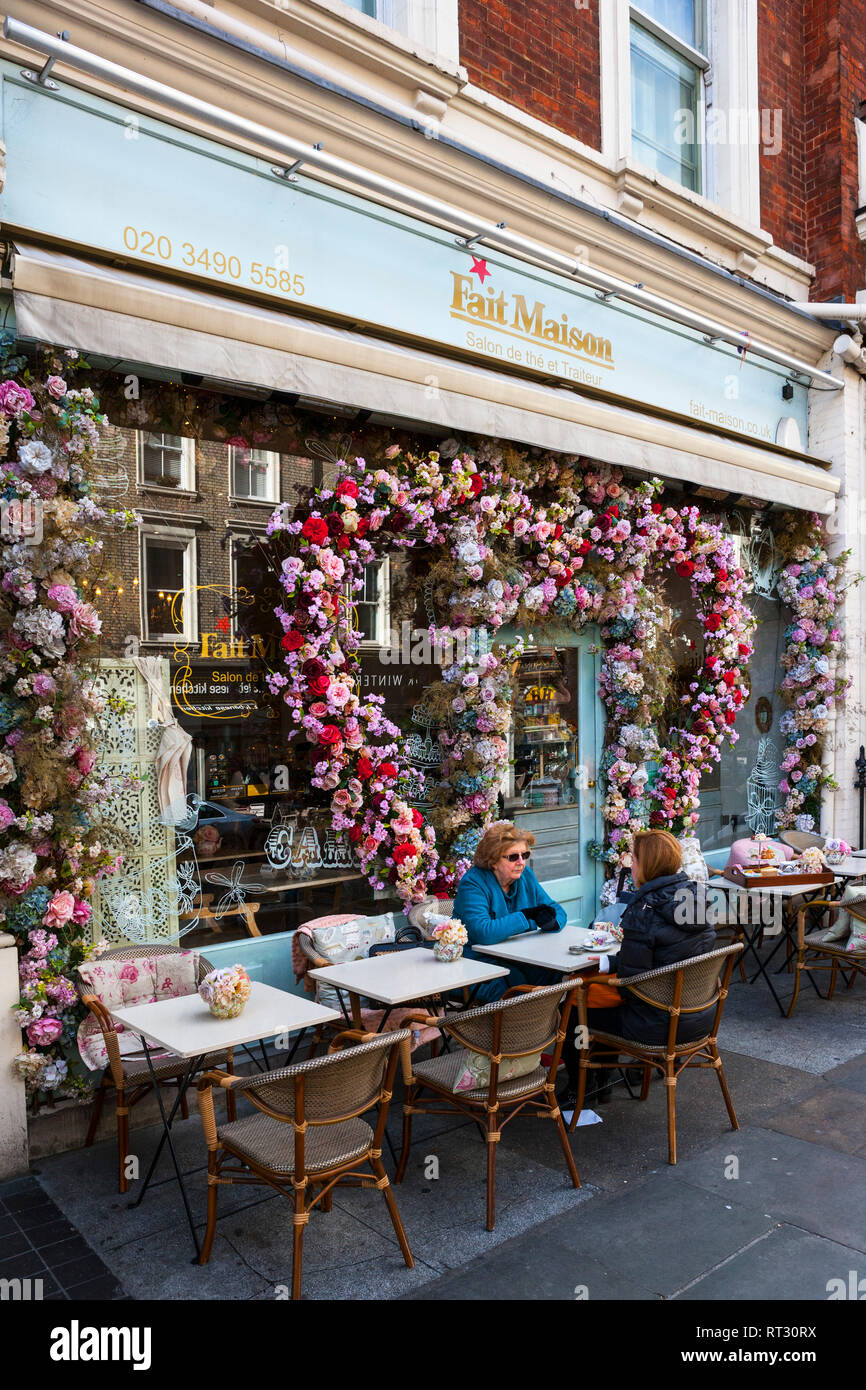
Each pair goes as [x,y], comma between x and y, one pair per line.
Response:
[787,1265]
[800,1183]
[851,1075]
[822,1033]
[834,1117]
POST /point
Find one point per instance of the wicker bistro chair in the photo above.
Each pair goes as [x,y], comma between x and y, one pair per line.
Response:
[307,1135]
[801,839]
[677,990]
[524,1022]
[814,955]
[130,1076]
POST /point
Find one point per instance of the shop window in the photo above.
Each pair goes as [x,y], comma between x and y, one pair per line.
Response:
[166,460]
[254,475]
[668,63]
[545,769]
[372,603]
[167,564]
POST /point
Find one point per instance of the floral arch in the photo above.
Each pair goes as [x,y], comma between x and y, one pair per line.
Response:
[503,537]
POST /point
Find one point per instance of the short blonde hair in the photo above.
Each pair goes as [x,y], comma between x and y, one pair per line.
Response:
[497,840]
[656,853]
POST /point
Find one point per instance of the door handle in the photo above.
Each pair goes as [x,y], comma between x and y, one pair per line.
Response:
[591,784]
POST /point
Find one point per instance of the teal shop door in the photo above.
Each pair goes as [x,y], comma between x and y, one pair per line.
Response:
[551,788]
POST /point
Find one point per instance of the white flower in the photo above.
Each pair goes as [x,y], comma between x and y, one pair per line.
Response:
[17,863]
[7,770]
[34,457]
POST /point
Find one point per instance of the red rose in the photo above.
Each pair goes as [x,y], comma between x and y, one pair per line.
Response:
[319,685]
[700,726]
[604,523]
[557,532]
[355,833]
[405,851]
[334,523]
[568,573]
[342,542]
[363,526]
[685,569]
[292,642]
[744,649]
[509,527]
[330,735]
[585,547]
[387,770]
[399,521]
[657,818]
[737,697]
[721,575]
[656,507]
[561,581]
[729,716]
[313,667]
[347,487]
[364,768]
[417,819]
[712,662]
[729,678]
[712,622]
[670,793]
[476,483]
[613,511]
[315,530]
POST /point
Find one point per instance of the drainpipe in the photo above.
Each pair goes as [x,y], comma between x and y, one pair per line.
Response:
[852,351]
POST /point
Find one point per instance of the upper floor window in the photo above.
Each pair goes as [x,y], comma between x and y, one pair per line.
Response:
[668,46]
[167,585]
[166,460]
[255,475]
[372,603]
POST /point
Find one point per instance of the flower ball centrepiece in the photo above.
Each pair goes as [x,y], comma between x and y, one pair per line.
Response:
[226,991]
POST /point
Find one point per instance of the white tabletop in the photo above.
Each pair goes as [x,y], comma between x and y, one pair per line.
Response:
[186,1026]
[397,977]
[549,949]
[786,890]
[849,868]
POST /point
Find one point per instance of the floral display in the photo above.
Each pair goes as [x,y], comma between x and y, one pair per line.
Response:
[449,937]
[226,991]
[835,850]
[811,585]
[52,847]
[511,539]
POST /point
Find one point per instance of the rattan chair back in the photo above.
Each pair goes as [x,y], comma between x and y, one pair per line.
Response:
[701,981]
[527,1023]
[334,1087]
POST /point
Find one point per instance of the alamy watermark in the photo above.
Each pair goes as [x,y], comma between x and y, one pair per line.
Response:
[718,125]
[710,907]
[21,520]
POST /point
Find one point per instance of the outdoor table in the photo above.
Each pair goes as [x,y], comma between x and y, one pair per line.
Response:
[186,1028]
[751,931]
[549,950]
[403,977]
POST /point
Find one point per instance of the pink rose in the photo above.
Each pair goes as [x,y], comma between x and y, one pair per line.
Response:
[15,400]
[341,799]
[56,387]
[85,761]
[83,912]
[59,910]
[44,1031]
[7,815]
[85,621]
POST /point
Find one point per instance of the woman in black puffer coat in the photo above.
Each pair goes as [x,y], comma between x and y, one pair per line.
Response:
[665,923]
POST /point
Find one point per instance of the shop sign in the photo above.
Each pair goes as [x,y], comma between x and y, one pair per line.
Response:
[305,244]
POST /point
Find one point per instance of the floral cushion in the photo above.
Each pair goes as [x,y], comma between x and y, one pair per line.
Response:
[122,984]
[345,941]
[475,1072]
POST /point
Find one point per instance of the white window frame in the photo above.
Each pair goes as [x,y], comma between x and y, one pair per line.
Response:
[429,24]
[730,171]
[273,478]
[383,608]
[187,465]
[860,128]
[180,539]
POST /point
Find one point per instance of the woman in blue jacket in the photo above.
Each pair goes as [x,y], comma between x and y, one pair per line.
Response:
[501,897]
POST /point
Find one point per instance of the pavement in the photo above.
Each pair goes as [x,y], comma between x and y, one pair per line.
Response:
[770,1211]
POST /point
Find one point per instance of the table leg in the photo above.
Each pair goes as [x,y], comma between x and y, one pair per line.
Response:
[194,1065]
[749,945]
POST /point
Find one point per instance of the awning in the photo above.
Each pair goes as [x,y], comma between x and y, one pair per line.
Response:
[152,322]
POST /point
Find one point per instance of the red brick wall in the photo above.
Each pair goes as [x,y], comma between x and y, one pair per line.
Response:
[812,65]
[781,88]
[542,58]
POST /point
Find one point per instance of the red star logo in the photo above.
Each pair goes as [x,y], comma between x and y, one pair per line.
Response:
[479,268]
[223,625]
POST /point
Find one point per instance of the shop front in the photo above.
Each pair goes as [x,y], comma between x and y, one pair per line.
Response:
[251,366]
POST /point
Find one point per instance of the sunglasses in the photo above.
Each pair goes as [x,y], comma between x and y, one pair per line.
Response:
[513,858]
